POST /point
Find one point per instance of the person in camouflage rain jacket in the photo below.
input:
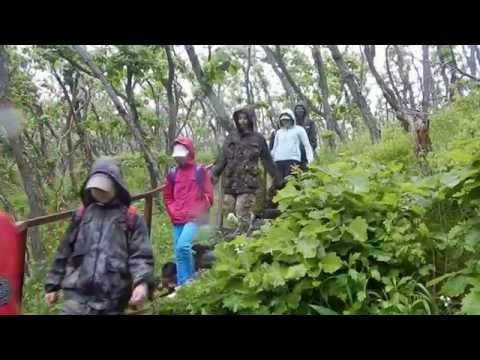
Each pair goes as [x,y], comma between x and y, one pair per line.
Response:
[238,161]
[105,259]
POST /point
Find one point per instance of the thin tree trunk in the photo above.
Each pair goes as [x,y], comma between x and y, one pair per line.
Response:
[26,173]
[264,86]
[360,100]
[388,93]
[332,124]
[404,77]
[75,115]
[290,93]
[392,79]
[449,93]
[427,80]
[126,115]
[469,51]
[477,52]
[172,102]
[70,155]
[283,67]
[207,89]
[454,69]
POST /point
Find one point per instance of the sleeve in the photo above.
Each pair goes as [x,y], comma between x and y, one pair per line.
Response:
[268,161]
[168,196]
[220,163]
[306,143]
[140,254]
[312,136]
[208,187]
[273,146]
[57,272]
[272,139]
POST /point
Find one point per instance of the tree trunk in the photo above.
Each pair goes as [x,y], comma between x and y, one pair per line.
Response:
[427,80]
[388,93]
[413,121]
[74,114]
[26,173]
[449,93]
[264,86]
[283,68]
[207,89]
[172,102]
[396,94]
[358,97]
[403,71]
[332,124]
[290,93]
[126,115]
[454,69]
[477,52]
[469,51]
[71,157]
[248,84]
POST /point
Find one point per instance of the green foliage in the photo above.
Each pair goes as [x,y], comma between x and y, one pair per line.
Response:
[364,234]
[219,66]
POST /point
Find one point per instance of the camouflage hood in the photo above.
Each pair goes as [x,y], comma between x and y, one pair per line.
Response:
[252,118]
[111,168]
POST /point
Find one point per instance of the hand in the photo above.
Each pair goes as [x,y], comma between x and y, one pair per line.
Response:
[51,298]
[139,294]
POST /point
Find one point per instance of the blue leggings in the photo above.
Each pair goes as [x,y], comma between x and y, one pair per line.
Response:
[183,235]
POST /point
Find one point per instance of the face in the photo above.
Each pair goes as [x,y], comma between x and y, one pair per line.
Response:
[286,122]
[243,121]
[101,196]
[300,112]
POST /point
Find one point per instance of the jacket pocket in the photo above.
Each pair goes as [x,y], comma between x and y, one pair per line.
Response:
[73,269]
[118,281]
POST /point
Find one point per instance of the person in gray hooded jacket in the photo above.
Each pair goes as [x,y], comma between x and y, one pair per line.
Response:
[106,259]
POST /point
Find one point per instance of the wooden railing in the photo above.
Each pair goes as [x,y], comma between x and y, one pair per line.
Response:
[23,226]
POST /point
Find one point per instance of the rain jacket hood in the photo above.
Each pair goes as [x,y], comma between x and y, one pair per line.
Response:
[111,168]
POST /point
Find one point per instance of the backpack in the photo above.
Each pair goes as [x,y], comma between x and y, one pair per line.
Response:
[199,177]
[129,217]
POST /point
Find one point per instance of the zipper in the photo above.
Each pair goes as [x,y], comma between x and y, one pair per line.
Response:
[97,250]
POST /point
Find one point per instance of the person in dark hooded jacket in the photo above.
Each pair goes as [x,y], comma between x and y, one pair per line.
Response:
[238,162]
[302,119]
[105,260]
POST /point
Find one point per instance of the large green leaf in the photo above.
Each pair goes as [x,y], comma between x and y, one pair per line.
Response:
[274,275]
[296,272]
[331,263]
[308,246]
[358,229]
[455,286]
[323,310]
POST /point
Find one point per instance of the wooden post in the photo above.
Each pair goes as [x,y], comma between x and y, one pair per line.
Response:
[148,212]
